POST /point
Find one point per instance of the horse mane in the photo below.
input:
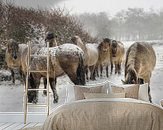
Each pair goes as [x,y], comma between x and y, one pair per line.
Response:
[107,40]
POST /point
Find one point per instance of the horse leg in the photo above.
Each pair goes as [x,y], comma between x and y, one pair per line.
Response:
[13,76]
[101,69]
[34,83]
[86,72]
[116,68]
[107,75]
[111,68]
[96,70]
[119,68]
[147,80]
[45,83]
[149,93]
[92,70]
[21,76]
[54,90]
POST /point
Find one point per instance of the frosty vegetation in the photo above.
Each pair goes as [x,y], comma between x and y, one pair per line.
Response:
[25,25]
[130,24]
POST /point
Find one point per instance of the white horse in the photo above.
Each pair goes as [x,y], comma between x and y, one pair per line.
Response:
[91,55]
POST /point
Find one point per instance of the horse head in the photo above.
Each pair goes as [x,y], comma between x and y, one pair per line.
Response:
[76,40]
[104,46]
[114,48]
[131,77]
[13,49]
[51,38]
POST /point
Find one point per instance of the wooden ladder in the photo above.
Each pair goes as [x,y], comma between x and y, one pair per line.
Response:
[26,89]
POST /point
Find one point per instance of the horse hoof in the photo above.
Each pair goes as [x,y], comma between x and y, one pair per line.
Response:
[45,93]
[92,79]
[55,101]
[35,101]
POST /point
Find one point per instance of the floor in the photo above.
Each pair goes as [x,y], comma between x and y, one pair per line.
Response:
[17,126]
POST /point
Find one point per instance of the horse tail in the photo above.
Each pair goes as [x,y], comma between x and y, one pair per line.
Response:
[81,71]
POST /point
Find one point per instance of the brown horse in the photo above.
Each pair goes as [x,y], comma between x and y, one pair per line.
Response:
[12,58]
[74,69]
[117,54]
[104,55]
[51,38]
[140,62]
[64,59]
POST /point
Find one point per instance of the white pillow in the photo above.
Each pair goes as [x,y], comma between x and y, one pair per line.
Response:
[161,102]
[106,87]
[103,95]
[143,92]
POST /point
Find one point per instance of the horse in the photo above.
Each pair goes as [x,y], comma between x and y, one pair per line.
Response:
[117,54]
[90,55]
[139,64]
[95,54]
[51,38]
[104,55]
[12,58]
[64,59]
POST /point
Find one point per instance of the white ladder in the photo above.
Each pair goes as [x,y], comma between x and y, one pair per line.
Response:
[26,89]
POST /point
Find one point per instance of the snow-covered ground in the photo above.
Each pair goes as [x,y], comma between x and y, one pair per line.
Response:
[11,96]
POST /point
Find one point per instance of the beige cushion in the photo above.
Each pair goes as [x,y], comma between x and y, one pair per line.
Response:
[131,91]
[103,95]
[143,92]
[80,90]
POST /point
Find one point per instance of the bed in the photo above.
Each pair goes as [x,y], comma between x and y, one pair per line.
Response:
[106,114]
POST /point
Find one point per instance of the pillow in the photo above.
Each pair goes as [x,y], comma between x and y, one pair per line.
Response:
[106,87]
[80,90]
[131,91]
[161,102]
[103,95]
[143,92]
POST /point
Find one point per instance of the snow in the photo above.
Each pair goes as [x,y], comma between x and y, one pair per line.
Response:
[5,72]
[44,51]
[69,48]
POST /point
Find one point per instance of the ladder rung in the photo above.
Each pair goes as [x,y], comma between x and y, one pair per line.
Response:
[38,71]
[39,89]
[38,55]
[37,105]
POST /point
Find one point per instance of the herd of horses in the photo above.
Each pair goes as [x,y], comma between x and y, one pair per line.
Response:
[78,58]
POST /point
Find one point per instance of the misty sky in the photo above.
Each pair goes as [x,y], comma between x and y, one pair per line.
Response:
[92,6]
